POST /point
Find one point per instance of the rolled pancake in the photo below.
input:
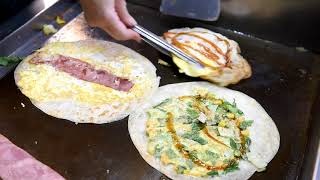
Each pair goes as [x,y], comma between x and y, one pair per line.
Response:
[61,95]
[265,139]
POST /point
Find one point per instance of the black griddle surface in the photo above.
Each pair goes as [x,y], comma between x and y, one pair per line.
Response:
[284,81]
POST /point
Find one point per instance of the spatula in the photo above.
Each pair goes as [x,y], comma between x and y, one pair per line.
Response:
[205,10]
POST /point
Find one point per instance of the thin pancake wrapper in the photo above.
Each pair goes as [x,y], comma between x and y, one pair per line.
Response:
[265,139]
[62,95]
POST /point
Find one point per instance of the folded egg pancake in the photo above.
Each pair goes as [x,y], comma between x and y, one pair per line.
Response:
[198,130]
[219,55]
[88,81]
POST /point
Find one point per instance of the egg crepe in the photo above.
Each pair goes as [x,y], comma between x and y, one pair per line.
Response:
[88,81]
[198,130]
[219,55]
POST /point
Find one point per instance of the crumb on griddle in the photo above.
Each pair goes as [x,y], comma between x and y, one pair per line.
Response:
[48,29]
[164,63]
[60,21]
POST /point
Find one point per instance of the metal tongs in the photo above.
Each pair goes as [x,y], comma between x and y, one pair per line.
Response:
[163,46]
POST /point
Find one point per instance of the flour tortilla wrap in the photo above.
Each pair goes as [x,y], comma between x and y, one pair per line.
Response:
[263,132]
[109,56]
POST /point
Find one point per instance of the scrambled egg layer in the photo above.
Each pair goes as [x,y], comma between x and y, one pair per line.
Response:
[197,135]
[43,82]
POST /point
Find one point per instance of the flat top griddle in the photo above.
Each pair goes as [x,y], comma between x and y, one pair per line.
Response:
[285,81]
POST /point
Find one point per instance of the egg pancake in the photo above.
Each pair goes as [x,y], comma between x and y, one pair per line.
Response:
[197,130]
[219,55]
[86,81]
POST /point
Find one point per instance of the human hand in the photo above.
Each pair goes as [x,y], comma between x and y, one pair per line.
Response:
[112,16]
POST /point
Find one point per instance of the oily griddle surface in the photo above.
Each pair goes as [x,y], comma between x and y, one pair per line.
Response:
[284,81]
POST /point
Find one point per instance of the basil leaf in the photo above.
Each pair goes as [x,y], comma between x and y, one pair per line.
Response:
[213,173]
[5,61]
[245,124]
[233,144]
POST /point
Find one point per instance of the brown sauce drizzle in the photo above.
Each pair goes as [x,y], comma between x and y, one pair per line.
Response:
[205,130]
[185,153]
[207,52]
[199,37]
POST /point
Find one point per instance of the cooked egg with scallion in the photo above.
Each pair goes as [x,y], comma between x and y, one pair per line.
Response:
[196,136]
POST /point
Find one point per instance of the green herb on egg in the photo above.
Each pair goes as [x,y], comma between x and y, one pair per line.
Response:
[233,144]
[237,153]
[211,155]
[195,137]
[195,127]
[248,141]
[189,104]
[163,103]
[193,114]
[189,163]
[245,124]
[193,155]
[180,169]
[213,173]
[171,154]
[232,108]
[233,167]
[157,151]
